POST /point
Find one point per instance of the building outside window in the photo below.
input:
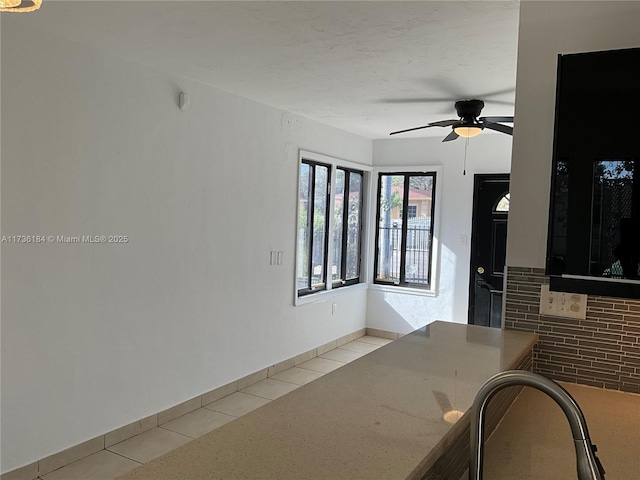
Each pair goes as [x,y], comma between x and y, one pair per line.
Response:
[347,227]
[328,244]
[404,233]
[312,226]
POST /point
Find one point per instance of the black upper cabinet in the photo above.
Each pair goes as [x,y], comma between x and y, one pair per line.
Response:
[594,222]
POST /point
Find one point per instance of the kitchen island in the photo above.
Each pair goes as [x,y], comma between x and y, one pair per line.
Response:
[395,413]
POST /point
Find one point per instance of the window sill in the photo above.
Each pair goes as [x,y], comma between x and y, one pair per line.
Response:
[325,294]
[419,292]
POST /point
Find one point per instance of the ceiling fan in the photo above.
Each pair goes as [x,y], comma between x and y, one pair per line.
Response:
[470,123]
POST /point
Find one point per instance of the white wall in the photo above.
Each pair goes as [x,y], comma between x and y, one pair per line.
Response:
[97,336]
[487,153]
[546,30]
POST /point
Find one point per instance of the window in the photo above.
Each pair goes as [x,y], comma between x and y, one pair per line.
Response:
[404,234]
[345,268]
[312,222]
[325,239]
[503,204]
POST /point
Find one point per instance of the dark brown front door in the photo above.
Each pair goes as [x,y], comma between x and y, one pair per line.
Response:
[488,248]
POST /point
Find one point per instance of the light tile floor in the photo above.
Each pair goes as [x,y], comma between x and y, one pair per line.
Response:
[237,404]
[270,388]
[197,423]
[122,457]
[321,365]
[297,375]
[148,445]
[103,465]
[340,354]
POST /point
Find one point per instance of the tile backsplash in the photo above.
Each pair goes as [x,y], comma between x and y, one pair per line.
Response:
[602,350]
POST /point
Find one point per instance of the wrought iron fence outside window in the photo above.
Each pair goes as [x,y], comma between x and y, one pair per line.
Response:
[320,233]
[404,236]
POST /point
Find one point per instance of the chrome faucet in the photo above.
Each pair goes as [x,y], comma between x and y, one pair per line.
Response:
[589,467]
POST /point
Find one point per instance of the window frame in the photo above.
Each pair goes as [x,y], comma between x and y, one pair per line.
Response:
[310,219]
[434,273]
[330,287]
[345,227]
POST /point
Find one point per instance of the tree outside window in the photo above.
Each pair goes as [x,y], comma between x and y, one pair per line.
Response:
[320,233]
[404,235]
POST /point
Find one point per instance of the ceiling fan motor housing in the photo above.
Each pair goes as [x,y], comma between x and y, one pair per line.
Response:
[469,109]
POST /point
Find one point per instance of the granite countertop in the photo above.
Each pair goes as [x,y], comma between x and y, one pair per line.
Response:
[378,417]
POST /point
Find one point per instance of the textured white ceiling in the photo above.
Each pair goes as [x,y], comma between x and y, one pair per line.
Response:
[365,67]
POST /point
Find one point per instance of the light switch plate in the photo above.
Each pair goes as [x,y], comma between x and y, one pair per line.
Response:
[547,301]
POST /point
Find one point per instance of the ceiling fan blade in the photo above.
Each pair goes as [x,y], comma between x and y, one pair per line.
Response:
[415,100]
[452,136]
[441,123]
[495,93]
[411,129]
[444,123]
[499,128]
[497,119]
[459,90]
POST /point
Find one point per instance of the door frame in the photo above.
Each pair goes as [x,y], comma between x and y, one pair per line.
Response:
[477,179]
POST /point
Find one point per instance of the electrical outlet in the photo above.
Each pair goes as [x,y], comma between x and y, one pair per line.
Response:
[573,305]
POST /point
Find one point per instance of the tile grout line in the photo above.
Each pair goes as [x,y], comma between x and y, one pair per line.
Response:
[292,383]
[218,411]
[238,391]
[123,456]
[330,359]
[167,430]
[116,453]
[263,398]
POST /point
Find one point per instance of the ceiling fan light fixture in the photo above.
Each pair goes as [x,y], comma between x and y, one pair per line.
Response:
[19,5]
[467,131]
